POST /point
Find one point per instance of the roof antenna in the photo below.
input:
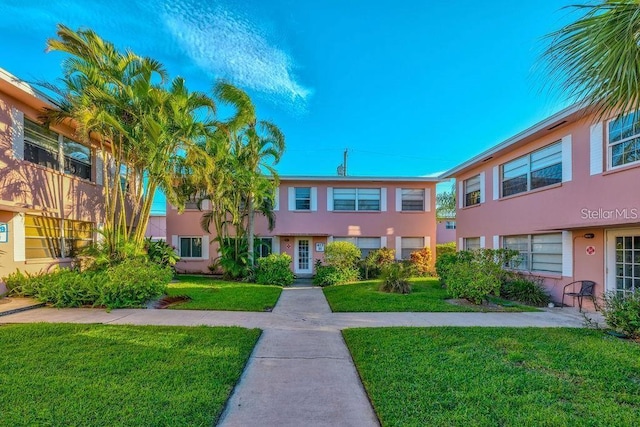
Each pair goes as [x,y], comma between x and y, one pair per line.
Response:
[342,169]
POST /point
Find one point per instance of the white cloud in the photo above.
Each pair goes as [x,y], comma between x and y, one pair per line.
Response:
[228,46]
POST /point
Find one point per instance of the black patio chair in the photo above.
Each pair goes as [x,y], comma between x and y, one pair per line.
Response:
[587,289]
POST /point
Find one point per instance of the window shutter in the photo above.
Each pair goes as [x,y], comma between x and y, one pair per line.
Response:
[17,133]
[427,242]
[483,190]
[496,182]
[383,199]
[460,244]
[427,200]
[567,254]
[314,199]
[329,239]
[99,168]
[174,243]
[398,199]
[292,198]
[461,194]
[483,242]
[276,201]
[276,245]
[19,250]
[567,169]
[496,242]
[398,247]
[383,241]
[205,246]
[329,199]
[206,205]
[596,149]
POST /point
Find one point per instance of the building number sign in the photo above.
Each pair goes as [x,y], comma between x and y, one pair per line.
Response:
[4,232]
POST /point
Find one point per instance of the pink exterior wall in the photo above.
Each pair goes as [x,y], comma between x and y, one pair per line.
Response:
[577,206]
[321,225]
[27,188]
[444,234]
[157,227]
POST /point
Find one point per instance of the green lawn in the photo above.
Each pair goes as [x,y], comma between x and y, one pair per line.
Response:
[211,294]
[426,295]
[498,376]
[107,375]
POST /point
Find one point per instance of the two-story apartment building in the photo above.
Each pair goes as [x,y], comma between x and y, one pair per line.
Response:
[372,213]
[564,193]
[50,184]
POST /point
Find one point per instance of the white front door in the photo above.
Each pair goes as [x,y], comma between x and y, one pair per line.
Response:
[623,261]
[302,259]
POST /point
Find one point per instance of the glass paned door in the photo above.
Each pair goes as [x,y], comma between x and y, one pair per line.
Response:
[627,264]
[623,261]
[303,256]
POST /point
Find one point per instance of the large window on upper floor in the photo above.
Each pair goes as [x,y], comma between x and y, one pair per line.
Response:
[472,191]
[538,252]
[624,140]
[44,147]
[356,199]
[538,169]
[412,199]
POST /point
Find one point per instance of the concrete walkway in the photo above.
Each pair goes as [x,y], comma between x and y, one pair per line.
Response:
[300,373]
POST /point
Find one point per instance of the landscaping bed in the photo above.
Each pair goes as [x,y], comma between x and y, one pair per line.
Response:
[105,375]
[205,293]
[427,295]
[454,376]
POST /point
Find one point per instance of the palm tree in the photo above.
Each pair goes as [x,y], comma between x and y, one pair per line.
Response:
[596,60]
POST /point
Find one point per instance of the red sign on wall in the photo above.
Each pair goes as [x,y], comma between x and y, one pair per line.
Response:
[591,250]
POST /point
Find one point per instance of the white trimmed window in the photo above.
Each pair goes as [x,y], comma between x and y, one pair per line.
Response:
[538,169]
[472,191]
[365,244]
[450,225]
[356,199]
[263,246]
[44,147]
[538,252]
[303,198]
[471,243]
[409,245]
[55,238]
[191,247]
[624,140]
[412,199]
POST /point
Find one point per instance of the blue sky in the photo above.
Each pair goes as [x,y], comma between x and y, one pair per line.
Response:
[410,87]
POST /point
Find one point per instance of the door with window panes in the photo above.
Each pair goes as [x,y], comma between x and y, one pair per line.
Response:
[303,262]
[623,261]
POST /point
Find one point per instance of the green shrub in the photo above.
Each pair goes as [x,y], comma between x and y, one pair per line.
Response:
[342,255]
[527,290]
[376,260]
[395,278]
[422,262]
[275,270]
[474,275]
[622,313]
[443,264]
[445,248]
[132,283]
[328,275]
[160,252]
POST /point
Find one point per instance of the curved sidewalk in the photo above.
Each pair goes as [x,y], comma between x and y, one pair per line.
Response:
[300,372]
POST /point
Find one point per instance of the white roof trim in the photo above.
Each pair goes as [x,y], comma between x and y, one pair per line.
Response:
[25,87]
[538,127]
[358,178]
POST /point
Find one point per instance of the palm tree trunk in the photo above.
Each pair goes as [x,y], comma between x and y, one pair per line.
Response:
[250,229]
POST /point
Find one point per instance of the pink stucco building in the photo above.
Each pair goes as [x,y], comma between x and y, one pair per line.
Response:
[446,230]
[372,213]
[50,184]
[564,193]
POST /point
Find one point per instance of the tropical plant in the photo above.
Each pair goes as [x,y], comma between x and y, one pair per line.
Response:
[395,278]
[525,289]
[446,203]
[422,262]
[445,248]
[275,270]
[342,255]
[376,260]
[596,59]
[147,130]
[623,313]
[160,252]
